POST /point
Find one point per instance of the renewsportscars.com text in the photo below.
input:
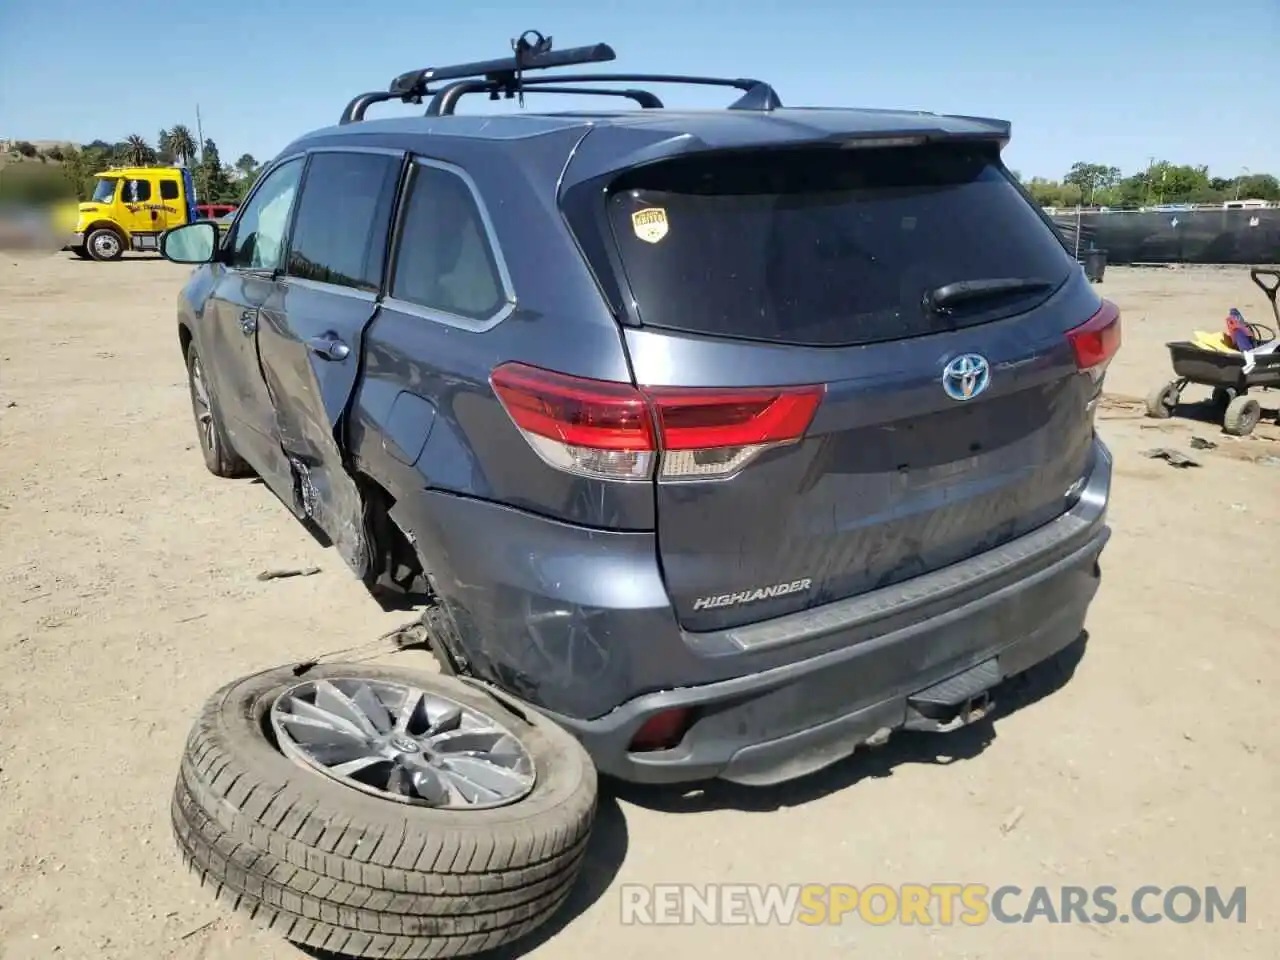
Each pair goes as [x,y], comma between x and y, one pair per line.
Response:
[918,904]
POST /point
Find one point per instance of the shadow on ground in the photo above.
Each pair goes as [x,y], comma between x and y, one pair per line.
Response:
[1210,414]
[965,743]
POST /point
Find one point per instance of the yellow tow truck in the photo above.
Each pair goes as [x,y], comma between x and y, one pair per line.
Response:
[130,208]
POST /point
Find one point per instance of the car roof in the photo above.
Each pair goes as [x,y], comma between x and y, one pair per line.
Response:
[622,139]
[741,127]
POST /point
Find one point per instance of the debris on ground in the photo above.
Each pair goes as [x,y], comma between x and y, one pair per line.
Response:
[286,573]
[1012,820]
[1172,457]
[1200,443]
[1268,461]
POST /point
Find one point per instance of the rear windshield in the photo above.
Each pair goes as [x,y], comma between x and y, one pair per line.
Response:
[827,247]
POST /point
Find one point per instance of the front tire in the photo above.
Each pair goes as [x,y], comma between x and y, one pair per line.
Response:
[215,446]
[360,869]
[104,244]
[1243,414]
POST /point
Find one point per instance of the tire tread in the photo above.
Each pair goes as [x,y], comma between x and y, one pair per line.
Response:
[338,876]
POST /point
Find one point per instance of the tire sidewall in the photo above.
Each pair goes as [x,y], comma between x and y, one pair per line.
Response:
[238,718]
[213,459]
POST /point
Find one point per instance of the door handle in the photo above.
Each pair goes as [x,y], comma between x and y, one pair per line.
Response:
[248,322]
[329,347]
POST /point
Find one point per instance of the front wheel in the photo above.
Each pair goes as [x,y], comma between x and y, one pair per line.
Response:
[215,447]
[383,812]
[1163,400]
[104,244]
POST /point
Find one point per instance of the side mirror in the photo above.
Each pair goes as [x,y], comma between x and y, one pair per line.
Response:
[190,243]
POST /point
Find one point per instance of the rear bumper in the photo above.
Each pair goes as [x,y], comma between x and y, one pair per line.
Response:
[944,638]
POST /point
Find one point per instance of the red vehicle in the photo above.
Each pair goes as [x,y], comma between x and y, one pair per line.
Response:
[212,211]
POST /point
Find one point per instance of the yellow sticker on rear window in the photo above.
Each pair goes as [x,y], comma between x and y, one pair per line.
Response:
[650,224]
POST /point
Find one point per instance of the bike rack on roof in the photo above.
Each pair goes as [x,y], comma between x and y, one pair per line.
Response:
[505,79]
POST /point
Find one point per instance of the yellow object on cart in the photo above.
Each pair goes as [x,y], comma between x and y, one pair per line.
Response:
[1217,342]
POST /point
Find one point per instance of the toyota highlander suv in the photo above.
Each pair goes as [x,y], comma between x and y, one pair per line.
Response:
[729,439]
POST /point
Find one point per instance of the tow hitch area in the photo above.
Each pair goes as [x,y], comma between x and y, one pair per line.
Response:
[955,702]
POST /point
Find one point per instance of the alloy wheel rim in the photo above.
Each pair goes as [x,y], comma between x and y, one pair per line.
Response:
[106,245]
[203,408]
[402,743]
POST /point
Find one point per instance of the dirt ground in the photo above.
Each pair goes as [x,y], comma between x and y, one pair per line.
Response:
[128,593]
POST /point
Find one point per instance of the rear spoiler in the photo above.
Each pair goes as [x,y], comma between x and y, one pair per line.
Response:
[607,151]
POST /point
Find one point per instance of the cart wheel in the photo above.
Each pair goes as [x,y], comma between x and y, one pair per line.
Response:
[1243,414]
[1163,400]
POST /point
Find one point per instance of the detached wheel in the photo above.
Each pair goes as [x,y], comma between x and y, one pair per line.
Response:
[1243,414]
[104,244]
[380,812]
[215,446]
[1163,400]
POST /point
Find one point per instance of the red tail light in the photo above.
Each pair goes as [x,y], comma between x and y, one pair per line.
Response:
[1097,339]
[662,731]
[616,431]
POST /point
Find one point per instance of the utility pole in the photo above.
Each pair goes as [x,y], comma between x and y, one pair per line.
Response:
[199,134]
[1244,172]
[1151,163]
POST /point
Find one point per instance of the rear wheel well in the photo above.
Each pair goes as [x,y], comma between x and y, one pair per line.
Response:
[184,338]
[394,564]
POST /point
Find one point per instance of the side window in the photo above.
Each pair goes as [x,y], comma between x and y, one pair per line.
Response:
[135,191]
[443,259]
[344,216]
[258,243]
[168,189]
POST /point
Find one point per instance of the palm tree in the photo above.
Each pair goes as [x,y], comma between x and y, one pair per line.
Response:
[182,144]
[138,148]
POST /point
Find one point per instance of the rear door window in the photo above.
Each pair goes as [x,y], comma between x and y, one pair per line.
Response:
[826,246]
[344,218]
[445,260]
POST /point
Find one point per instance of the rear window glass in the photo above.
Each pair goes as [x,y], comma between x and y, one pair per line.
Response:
[826,247]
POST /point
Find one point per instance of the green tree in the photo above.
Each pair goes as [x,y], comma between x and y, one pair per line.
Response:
[211,178]
[182,144]
[164,148]
[1256,186]
[25,149]
[1177,183]
[1089,178]
[139,150]
[56,154]
[246,164]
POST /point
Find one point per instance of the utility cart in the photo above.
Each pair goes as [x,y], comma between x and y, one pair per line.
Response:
[1225,372]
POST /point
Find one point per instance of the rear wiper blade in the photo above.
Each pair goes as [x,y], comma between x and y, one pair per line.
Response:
[941,299]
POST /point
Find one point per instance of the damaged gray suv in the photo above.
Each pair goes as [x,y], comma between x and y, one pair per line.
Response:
[729,440]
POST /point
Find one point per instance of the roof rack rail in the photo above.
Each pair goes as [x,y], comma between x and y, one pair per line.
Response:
[505,79]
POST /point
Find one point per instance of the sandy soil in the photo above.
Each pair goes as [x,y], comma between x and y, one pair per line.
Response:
[128,592]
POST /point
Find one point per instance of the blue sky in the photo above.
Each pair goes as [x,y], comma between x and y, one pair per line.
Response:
[1114,81]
